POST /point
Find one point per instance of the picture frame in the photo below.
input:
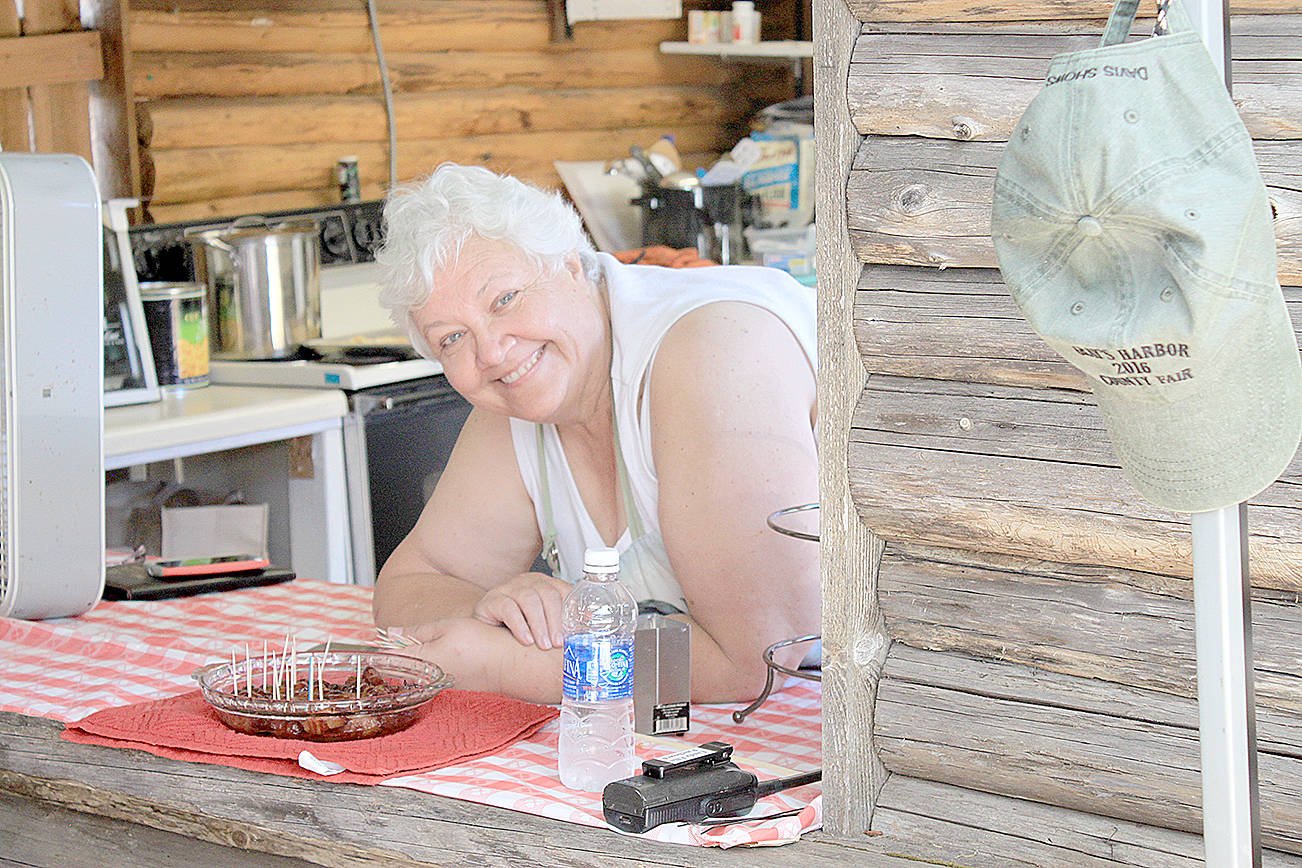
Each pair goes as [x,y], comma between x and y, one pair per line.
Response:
[129,373]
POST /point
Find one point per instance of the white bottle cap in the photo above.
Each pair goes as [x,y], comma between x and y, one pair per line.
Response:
[600,561]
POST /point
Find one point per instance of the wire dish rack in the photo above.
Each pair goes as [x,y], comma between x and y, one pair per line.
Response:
[777,521]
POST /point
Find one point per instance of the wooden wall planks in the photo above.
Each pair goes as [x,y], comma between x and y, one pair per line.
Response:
[917,201]
[242,105]
[1018,10]
[1039,609]
[948,825]
[1028,472]
[1032,743]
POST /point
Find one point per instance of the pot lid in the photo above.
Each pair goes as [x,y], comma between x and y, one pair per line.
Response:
[245,229]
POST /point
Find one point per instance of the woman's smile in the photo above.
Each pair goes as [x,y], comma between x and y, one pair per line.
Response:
[524,368]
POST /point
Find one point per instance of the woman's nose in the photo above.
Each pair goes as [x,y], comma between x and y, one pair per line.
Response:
[491,345]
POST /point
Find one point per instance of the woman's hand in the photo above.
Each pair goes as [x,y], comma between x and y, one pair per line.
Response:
[528,605]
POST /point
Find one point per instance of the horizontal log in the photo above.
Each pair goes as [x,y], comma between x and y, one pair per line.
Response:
[405,25]
[171,74]
[953,324]
[1129,634]
[1034,745]
[193,174]
[962,324]
[256,203]
[541,173]
[1028,472]
[187,123]
[1018,10]
[941,824]
[975,84]
[917,201]
[37,833]
[50,58]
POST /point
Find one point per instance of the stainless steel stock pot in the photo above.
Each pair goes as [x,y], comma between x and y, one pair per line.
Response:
[263,284]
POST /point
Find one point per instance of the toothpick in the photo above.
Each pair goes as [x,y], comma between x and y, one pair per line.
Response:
[310,661]
[320,670]
[359,677]
[248,672]
[284,666]
[264,666]
[235,679]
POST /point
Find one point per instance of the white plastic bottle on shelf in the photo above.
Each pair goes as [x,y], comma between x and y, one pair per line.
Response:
[745,22]
[596,728]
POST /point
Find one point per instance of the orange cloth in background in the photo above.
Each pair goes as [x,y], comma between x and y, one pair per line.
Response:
[658,254]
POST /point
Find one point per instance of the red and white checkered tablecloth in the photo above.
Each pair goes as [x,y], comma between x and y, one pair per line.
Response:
[125,652]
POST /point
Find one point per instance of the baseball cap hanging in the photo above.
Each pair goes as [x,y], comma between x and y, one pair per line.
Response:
[1132,227]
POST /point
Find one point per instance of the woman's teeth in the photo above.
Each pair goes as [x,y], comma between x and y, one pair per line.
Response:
[523,369]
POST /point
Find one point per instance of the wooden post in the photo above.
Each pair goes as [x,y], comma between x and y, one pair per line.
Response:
[112,108]
[60,113]
[14,134]
[854,640]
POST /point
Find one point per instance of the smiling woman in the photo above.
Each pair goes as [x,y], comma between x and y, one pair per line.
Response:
[664,412]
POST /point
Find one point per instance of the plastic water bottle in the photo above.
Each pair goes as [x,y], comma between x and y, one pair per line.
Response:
[600,617]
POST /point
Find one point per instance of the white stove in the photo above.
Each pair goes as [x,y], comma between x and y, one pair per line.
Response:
[359,349]
[329,374]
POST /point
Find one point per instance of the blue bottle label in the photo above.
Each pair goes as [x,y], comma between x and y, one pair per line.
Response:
[597,668]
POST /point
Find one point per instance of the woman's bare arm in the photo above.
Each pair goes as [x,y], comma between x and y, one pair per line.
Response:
[477,531]
[732,397]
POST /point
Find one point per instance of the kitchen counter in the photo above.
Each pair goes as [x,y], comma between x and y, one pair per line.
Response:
[217,418]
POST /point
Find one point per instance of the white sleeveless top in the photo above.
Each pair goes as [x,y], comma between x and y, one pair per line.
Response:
[645,300]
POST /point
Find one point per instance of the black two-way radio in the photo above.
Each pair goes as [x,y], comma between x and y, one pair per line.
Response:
[687,787]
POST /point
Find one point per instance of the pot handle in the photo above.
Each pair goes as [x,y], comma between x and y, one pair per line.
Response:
[214,241]
[237,223]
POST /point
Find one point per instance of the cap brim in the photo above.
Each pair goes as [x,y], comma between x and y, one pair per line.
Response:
[1231,438]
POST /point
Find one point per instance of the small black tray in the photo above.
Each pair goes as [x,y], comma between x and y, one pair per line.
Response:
[131,582]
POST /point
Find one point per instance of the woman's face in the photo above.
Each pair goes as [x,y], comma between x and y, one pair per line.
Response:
[513,339]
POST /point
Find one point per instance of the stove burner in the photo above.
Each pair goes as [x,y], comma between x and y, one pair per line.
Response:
[358,355]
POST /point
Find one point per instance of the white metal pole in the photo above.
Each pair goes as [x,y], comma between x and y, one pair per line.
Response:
[1227,708]
[1227,719]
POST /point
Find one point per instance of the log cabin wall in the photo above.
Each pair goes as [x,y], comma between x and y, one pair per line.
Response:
[246,106]
[1032,700]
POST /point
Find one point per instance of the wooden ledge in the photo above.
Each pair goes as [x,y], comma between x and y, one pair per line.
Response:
[51,58]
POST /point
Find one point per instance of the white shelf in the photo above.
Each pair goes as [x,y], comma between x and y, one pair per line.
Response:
[786,49]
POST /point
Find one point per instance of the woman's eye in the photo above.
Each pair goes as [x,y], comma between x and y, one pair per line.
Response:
[505,298]
[450,339]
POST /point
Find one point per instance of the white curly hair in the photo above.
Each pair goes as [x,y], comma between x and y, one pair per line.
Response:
[428,222]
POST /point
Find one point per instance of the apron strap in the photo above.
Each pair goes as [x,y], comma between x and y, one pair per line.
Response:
[551,554]
[635,529]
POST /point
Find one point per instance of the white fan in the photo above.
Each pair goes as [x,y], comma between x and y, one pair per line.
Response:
[51,387]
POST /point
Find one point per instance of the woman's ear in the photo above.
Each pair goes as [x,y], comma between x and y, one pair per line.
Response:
[574,265]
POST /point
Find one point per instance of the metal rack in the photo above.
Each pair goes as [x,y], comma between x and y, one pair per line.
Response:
[774,522]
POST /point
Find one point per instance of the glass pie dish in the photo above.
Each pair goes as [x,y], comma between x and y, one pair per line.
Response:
[321,696]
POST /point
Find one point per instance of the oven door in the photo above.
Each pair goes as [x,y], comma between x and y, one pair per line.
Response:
[397,441]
